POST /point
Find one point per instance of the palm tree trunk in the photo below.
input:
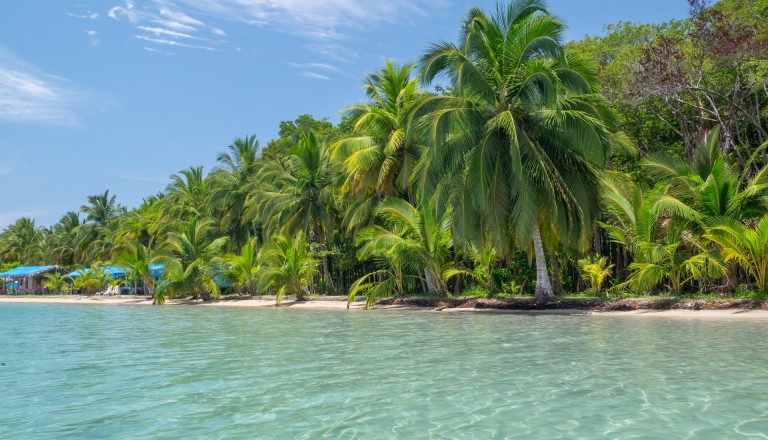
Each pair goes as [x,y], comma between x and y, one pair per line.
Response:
[431,283]
[326,266]
[556,282]
[328,279]
[543,285]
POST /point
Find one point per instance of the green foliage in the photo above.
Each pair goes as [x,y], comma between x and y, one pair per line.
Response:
[242,270]
[595,271]
[746,246]
[520,142]
[190,263]
[55,282]
[288,266]
[464,188]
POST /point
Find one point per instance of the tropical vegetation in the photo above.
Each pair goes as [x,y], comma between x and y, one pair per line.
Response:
[508,162]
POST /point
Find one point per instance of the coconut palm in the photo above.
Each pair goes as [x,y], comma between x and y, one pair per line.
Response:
[707,187]
[595,271]
[520,142]
[65,246]
[18,241]
[296,195]
[629,211]
[190,266]
[137,258]
[745,245]
[677,258]
[55,282]
[242,270]
[288,266]
[101,209]
[231,183]
[382,158]
[188,194]
[414,241]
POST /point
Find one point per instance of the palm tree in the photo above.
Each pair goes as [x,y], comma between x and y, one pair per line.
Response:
[521,140]
[383,157]
[296,195]
[243,269]
[700,193]
[19,240]
[414,240]
[55,282]
[65,232]
[101,209]
[188,193]
[708,187]
[595,271]
[137,258]
[745,245]
[190,265]
[231,183]
[288,266]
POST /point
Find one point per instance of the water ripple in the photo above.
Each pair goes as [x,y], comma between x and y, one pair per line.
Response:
[80,372]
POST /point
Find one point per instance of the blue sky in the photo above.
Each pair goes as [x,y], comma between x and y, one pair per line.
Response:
[118,95]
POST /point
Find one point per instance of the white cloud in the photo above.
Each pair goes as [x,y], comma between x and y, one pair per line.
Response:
[161,22]
[323,66]
[28,95]
[313,75]
[128,11]
[162,52]
[161,31]
[88,15]
[172,42]
[90,32]
[324,19]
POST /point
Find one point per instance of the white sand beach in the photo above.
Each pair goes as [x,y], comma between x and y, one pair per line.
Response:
[338,303]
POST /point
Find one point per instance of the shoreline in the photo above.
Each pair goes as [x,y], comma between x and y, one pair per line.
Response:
[636,308]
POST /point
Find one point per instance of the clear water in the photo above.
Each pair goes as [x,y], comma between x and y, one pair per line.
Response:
[83,372]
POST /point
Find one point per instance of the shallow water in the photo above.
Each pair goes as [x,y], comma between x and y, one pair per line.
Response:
[95,371]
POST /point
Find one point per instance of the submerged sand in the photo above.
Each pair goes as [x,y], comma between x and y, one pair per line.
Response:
[339,303]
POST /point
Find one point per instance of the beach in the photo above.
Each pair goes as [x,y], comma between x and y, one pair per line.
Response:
[339,303]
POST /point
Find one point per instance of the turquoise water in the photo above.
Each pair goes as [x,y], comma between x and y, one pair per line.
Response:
[93,371]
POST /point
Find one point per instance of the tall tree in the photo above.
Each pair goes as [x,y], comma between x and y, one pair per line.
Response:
[296,194]
[191,260]
[383,156]
[523,138]
[231,182]
[101,209]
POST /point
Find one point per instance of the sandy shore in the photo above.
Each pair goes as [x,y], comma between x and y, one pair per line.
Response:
[341,304]
[132,300]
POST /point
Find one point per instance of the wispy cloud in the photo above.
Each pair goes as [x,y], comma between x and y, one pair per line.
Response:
[170,33]
[171,42]
[322,66]
[88,15]
[324,19]
[29,95]
[162,23]
[324,23]
[158,51]
[313,75]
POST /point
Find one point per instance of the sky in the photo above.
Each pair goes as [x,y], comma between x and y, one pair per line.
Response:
[119,95]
